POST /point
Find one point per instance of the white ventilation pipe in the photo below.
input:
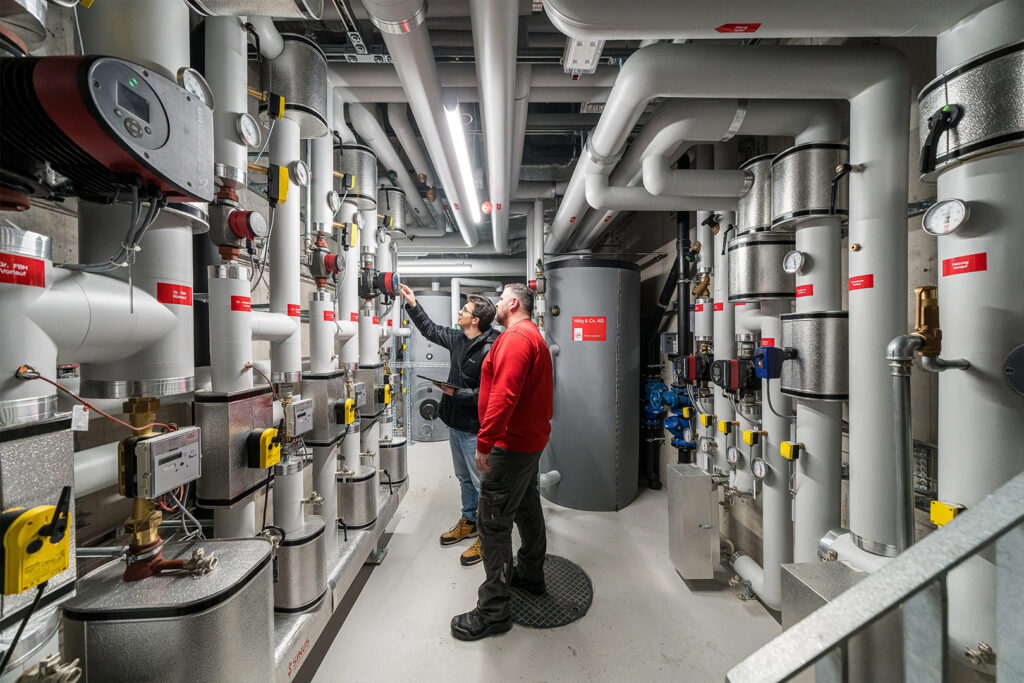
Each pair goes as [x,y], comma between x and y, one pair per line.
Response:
[271,42]
[672,19]
[456,287]
[495,35]
[408,42]
[369,128]
[520,109]
[285,301]
[660,179]
[398,117]
[469,267]
[601,196]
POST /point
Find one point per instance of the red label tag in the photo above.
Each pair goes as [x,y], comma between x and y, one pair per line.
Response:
[862,282]
[964,264]
[805,290]
[354,317]
[499,207]
[737,28]
[740,304]
[587,328]
[294,310]
[376,320]
[329,316]
[390,324]
[241,303]
[166,293]
[573,219]
[607,218]
[698,308]
[719,307]
[768,341]
[22,270]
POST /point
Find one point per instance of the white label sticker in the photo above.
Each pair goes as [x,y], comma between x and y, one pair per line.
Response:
[79,418]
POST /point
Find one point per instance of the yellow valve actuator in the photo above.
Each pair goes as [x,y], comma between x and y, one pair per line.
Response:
[264,448]
[36,544]
[350,411]
[387,394]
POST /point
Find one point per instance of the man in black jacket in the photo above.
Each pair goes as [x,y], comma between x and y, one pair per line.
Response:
[469,346]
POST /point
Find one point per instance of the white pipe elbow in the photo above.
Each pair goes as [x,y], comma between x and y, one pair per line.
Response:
[272,327]
[271,42]
[345,330]
[660,180]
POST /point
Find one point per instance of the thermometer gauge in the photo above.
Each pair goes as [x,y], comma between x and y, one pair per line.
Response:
[193,81]
[944,217]
[300,173]
[793,262]
[248,130]
[334,201]
[705,446]
[732,455]
[759,468]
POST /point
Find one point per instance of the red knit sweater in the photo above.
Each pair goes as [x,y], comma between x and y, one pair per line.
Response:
[516,392]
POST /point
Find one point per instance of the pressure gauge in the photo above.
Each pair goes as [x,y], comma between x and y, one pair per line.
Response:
[688,435]
[793,262]
[759,468]
[732,455]
[300,172]
[248,130]
[193,81]
[334,201]
[705,446]
[944,217]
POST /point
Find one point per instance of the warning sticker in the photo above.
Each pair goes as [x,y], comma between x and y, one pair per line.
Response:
[354,317]
[719,306]
[585,328]
[329,316]
[698,308]
[241,303]
[390,324]
[294,310]
[167,293]
[862,282]
[767,341]
[805,290]
[376,320]
[22,270]
[964,264]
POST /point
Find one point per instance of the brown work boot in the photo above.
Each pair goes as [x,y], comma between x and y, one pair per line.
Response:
[463,529]
[472,554]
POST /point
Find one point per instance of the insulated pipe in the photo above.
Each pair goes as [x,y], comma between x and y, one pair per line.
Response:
[150,32]
[441,267]
[601,196]
[520,110]
[340,125]
[368,126]
[495,34]
[465,75]
[535,240]
[271,42]
[408,42]
[323,329]
[325,482]
[321,168]
[398,117]
[96,468]
[381,95]
[286,355]
[236,522]
[659,179]
[348,300]
[725,347]
[288,499]
[456,288]
[981,29]
[536,189]
[691,19]
[225,65]
[271,327]
[230,327]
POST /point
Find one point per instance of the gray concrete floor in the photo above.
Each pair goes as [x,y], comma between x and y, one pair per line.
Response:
[646,624]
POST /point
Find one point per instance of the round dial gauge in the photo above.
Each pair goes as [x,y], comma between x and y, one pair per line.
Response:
[193,81]
[248,130]
[300,173]
[944,217]
[759,468]
[793,262]
[705,446]
[334,201]
[688,435]
[732,455]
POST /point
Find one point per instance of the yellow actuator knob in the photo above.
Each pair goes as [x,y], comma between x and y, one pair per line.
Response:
[790,450]
[350,411]
[36,544]
[264,448]
[387,394]
[943,513]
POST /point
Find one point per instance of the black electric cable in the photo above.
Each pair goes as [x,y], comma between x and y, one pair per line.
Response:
[266,497]
[21,629]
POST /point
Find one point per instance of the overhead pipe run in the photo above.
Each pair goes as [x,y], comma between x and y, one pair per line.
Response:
[520,109]
[601,196]
[660,179]
[384,94]
[398,117]
[441,267]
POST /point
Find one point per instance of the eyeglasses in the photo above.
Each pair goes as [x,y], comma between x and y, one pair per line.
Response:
[466,309]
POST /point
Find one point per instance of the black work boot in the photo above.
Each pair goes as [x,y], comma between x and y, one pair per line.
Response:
[472,626]
[535,587]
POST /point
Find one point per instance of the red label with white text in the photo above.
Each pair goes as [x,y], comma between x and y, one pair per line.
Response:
[862,282]
[376,320]
[166,293]
[767,341]
[964,264]
[22,270]
[354,317]
[294,310]
[698,308]
[241,303]
[719,307]
[805,290]
[586,328]
[390,323]
[329,316]
[737,28]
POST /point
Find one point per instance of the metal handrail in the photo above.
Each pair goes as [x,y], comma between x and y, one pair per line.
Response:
[915,579]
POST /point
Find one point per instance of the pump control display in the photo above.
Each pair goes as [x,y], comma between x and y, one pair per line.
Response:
[734,375]
[153,465]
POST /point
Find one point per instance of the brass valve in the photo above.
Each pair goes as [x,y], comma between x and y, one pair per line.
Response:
[926,321]
[702,288]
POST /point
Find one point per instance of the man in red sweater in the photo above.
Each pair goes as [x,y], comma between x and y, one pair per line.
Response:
[515,422]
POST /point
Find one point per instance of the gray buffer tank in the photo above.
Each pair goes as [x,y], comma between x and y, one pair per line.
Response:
[595,431]
[431,360]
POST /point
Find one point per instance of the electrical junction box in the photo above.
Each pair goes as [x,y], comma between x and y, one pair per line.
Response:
[670,343]
[298,417]
[357,391]
[153,465]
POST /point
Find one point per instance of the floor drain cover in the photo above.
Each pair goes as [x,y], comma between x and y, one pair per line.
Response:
[568,597]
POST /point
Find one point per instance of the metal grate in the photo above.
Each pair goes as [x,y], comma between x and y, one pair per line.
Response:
[568,597]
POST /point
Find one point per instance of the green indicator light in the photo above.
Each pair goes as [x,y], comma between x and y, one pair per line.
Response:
[133,82]
[946,108]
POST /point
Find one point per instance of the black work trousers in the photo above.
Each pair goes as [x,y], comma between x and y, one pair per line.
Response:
[509,493]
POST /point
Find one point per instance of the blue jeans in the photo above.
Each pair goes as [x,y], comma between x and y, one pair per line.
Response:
[464,458]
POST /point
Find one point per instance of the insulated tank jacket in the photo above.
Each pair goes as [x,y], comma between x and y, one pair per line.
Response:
[516,392]
[467,355]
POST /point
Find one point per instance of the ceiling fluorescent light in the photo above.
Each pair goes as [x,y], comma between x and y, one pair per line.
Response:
[453,114]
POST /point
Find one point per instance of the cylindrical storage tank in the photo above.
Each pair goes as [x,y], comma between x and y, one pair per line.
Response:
[391,202]
[360,162]
[276,9]
[594,318]
[431,360]
[755,267]
[426,405]
[703,320]
[357,498]
[299,74]
[301,568]
[802,183]
[394,461]
[820,369]
[754,209]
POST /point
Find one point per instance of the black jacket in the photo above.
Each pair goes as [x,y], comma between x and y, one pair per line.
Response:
[467,357]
